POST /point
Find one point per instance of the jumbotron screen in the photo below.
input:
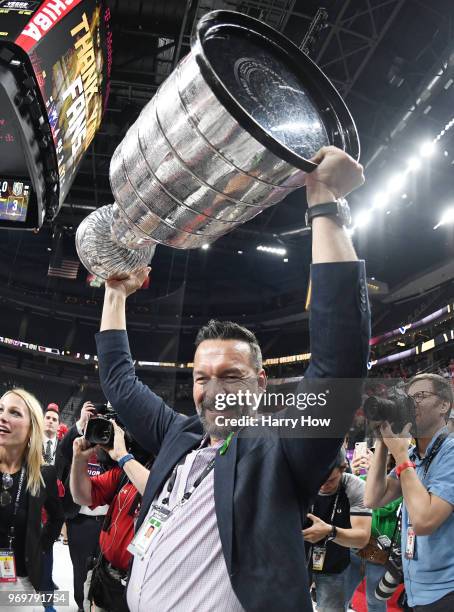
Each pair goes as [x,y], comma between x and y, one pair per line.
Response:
[14,199]
[55,63]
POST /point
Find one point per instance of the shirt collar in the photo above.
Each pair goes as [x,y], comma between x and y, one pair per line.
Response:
[206,442]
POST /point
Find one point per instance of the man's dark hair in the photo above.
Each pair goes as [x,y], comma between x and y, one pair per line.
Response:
[52,410]
[441,386]
[228,330]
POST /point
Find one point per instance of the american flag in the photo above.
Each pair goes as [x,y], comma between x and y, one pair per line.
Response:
[64,268]
[63,262]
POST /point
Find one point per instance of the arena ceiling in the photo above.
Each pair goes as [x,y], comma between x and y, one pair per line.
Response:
[382,55]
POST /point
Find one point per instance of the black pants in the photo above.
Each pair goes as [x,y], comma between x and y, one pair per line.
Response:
[441,605]
[83,542]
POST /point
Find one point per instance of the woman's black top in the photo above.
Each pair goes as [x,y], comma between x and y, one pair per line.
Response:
[20,522]
[32,536]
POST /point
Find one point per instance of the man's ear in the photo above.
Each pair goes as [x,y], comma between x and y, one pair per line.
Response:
[446,409]
[262,379]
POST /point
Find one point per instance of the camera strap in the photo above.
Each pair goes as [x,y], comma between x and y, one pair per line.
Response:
[396,529]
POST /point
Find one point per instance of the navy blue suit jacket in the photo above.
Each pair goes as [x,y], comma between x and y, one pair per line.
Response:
[262,485]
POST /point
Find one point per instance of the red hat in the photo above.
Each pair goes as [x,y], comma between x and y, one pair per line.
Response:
[53,407]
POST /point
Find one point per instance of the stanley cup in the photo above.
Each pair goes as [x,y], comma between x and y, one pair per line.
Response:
[227,135]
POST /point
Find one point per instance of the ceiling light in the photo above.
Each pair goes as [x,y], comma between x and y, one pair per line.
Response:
[272,250]
[363,218]
[380,200]
[413,164]
[396,183]
[427,149]
[240,252]
[285,260]
[446,218]
[205,246]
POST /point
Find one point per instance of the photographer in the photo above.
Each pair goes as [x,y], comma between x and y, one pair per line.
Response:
[83,524]
[340,522]
[425,477]
[121,488]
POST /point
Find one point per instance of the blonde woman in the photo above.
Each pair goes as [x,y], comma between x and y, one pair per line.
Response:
[26,487]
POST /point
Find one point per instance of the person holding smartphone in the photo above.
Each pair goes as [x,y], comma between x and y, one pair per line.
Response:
[369,562]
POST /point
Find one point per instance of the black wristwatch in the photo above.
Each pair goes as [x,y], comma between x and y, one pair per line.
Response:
[333,534]
[338,209]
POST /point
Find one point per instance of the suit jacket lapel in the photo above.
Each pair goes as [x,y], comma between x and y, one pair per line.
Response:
[224,483]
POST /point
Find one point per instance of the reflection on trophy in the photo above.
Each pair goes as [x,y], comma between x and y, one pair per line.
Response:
[227,135]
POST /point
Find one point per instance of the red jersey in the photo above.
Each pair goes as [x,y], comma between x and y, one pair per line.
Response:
[114,542]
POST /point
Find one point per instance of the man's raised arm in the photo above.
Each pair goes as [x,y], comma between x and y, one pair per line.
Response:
[339,323]
[337,175]
[339,306]
[142,412]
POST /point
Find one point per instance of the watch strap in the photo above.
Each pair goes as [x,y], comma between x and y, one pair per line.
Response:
[326,209]
[124,459]
[333,533]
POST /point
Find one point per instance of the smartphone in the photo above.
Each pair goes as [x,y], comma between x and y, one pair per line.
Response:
[360,449]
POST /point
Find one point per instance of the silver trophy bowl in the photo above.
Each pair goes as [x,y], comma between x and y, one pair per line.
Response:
[227,135]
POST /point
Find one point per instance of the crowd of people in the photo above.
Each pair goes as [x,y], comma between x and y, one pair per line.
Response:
[174,513]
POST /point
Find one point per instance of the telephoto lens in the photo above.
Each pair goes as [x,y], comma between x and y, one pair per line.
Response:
[392,578]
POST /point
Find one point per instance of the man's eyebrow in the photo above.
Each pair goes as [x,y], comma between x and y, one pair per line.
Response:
[231,370]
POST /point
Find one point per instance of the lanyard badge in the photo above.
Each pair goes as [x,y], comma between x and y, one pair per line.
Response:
[318,558]
[149,530]
[410,546]
[7,566]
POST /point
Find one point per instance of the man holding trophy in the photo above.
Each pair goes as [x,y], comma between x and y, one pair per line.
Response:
[226,511]
[245,119]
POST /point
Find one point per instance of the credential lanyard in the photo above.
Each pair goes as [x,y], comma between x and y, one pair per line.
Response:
[334,507]
[16,508]
[198,481]
[435,448]
[427,461]
[311,546]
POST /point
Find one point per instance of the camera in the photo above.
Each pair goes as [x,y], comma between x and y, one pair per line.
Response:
[393,575]
[99,429]
[104,409]
[397,408]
